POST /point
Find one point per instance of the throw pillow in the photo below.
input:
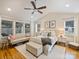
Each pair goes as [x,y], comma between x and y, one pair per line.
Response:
[12,37]
[4,34]
[46,41]
[36,40]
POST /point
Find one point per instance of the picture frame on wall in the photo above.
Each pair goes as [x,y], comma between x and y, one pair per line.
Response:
[52,24]
[47,24]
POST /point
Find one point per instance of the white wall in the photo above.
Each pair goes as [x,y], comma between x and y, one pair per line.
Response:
[0,27]
[32,28]
[60,18]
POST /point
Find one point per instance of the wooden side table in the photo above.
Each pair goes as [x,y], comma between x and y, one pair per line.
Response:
[4,44]
[62,40]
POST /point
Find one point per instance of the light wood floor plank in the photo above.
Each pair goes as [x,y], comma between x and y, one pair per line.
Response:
[10,53]
[70,52]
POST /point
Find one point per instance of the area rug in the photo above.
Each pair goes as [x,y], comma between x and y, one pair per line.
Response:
[56,53]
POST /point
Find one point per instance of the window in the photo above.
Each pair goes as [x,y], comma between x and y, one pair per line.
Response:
[69,27]
[27,28]
[6,28]
[19,27]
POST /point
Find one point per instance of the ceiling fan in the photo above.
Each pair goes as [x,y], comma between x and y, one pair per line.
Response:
[35,9]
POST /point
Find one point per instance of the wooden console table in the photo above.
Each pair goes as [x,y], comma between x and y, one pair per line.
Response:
[62,41]
[4,44]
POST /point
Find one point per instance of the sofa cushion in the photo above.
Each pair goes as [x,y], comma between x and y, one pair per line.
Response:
[11,37]
[46,41]
[36,40]
[53,39]
[19,40]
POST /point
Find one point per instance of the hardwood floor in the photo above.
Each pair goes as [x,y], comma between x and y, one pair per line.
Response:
[71,53]
[12,53]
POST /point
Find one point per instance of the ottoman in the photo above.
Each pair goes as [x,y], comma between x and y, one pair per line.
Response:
[34,48]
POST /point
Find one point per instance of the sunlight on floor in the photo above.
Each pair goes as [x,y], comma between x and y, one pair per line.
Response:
[69,56]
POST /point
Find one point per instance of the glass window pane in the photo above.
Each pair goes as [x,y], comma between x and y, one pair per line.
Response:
[19,27]
[69,23]
[69,27]
[6,28]
[27,28]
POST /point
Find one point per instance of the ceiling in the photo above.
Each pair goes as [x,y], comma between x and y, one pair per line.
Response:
[17,7]
[59,6]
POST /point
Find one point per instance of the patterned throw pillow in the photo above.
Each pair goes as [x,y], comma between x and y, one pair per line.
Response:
[12,37]
[46,41]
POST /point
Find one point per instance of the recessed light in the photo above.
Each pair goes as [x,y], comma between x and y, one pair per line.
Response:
[67,5]
[9,9]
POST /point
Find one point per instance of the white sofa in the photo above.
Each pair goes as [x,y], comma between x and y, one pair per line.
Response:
[19,40]
[36,47]
[48,48]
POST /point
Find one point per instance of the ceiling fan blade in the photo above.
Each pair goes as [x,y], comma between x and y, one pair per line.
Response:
[43,7]
[33,4]
[28,8]
[40,12]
